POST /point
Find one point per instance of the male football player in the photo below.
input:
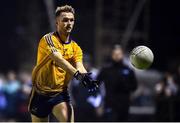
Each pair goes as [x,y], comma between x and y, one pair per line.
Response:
[59,59]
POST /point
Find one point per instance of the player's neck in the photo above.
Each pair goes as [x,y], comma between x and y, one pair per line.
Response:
[64,38]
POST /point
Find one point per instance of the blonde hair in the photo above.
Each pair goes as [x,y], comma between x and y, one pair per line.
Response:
[65,8]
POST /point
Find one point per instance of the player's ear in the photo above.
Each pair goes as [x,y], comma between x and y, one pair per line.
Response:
[56,22]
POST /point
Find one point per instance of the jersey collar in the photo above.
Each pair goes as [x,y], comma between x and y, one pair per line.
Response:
[61,39]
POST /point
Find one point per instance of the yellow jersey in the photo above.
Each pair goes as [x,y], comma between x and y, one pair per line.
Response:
[47,76]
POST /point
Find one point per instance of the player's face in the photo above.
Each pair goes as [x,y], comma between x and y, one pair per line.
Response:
[117,55]
[65,22]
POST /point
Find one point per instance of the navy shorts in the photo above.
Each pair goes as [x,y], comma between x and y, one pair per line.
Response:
[41,105]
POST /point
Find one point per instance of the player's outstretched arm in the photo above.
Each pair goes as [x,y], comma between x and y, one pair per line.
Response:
[80,67]
[83,77]
[64,64]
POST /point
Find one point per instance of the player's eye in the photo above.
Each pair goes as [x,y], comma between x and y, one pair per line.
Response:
[71,20]
[65,20]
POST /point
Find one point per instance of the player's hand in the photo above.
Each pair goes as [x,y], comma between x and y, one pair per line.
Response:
[87,81]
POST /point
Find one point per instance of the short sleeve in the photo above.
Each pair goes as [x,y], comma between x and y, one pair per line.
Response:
[78,55]
[46,44]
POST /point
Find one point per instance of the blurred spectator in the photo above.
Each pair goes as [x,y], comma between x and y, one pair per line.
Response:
[87,107]
[23,114]
[119,82]
[166,90]
[3,100]
[11,89]
[177,98]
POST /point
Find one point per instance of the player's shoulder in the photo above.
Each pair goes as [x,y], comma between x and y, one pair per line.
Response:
[48,37]
[74,43]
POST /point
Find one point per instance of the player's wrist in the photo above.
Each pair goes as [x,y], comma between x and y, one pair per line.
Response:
[78,75]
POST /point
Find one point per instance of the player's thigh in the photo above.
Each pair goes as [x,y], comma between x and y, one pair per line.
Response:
[64,112]
[37,119]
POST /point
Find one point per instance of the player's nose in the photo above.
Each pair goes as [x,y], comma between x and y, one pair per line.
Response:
[69,22]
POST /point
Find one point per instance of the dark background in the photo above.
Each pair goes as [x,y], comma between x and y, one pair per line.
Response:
[24,22]
[165,32]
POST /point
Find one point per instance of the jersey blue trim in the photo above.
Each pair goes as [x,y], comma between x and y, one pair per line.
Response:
[61,39]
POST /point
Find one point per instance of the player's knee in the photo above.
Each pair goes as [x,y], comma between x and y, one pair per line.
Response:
[63,112]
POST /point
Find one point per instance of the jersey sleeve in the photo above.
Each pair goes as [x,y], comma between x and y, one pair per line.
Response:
[46,45]
[78,54]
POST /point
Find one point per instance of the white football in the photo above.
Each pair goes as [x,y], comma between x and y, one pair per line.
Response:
[141,57]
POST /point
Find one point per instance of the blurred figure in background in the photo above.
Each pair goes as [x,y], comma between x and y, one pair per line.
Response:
[11,89]
[3,100]
[177,98]
[166,91]
[87,107]
[142,96]
[119,82]
[14,94]
[26,85]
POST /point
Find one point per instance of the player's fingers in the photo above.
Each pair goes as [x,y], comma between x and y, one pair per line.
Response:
[89,73]
[90,90]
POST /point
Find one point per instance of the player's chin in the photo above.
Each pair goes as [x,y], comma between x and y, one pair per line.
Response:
[68,31]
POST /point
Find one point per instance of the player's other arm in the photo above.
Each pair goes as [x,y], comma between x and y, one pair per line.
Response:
[79,74]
